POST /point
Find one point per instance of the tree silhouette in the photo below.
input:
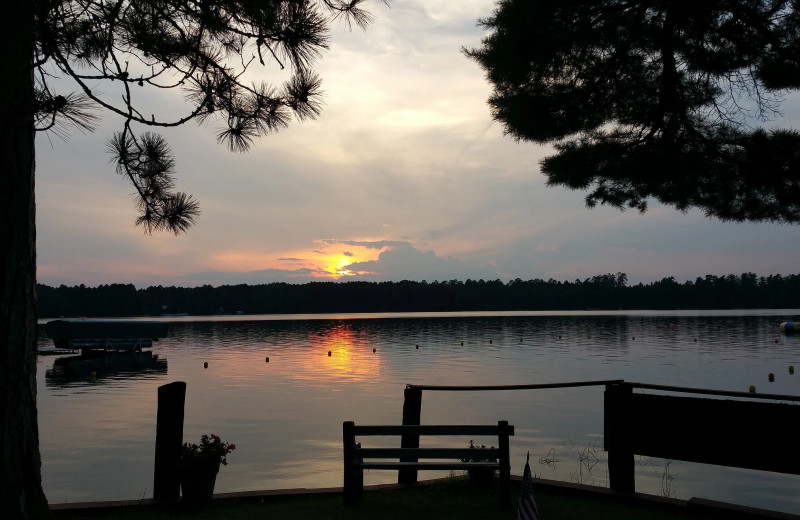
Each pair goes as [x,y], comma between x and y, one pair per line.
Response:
[653,99]
[114,53]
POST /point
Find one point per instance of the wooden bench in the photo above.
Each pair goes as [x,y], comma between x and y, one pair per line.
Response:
[357,459]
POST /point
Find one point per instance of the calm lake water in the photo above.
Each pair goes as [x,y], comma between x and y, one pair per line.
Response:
[285,416]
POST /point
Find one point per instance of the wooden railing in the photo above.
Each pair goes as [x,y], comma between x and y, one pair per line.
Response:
[412,410]
[745,432]
[739,433]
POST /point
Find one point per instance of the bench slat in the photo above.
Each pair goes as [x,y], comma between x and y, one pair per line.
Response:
[429,465]
[426,453]
[454,429]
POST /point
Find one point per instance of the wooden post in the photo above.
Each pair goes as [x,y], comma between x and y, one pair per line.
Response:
[412,410]
[621,465]
[505,465]
[169,438]
[348,441]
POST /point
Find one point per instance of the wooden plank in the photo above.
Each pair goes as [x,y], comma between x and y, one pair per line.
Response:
[454,429]
[428,465]
[348,443]
[719,393]
[540,386]
[744,434]
[505,464]
[616,437]
[426,453]
[412,411]
[169,438]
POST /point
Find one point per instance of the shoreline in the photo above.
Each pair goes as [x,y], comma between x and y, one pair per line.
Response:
[693,506]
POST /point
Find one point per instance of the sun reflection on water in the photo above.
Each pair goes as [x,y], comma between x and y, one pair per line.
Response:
[340,354]
[337,353]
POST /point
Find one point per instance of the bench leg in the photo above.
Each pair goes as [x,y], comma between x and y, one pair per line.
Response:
[505,465]
[358,476]
[349,484]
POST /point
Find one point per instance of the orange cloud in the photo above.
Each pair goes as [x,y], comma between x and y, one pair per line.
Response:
[326,259]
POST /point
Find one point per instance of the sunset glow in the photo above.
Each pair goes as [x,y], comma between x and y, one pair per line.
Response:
[338,267]
[406,176]
[326,259]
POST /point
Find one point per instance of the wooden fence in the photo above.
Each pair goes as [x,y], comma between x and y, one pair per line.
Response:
[745,432]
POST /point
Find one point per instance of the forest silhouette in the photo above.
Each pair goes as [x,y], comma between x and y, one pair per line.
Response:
[602,292]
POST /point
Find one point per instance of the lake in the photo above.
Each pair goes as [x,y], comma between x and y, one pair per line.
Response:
[97,432]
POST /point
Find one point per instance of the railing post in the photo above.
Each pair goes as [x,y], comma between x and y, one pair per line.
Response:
[412,410]
[505,465]
[349,442]
[169,438]
[617,440]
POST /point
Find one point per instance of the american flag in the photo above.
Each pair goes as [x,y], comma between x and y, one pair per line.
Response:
[527,504]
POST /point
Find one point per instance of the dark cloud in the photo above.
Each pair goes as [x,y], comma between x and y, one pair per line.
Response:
[402,261]
[377,244]
[261,276]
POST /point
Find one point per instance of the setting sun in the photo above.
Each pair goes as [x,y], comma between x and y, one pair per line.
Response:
[339,264]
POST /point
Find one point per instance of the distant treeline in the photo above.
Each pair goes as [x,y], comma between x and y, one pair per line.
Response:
[609,291]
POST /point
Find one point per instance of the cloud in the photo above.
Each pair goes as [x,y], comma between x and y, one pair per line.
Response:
[262,276]
[403,261]
[404,167]
[392,265]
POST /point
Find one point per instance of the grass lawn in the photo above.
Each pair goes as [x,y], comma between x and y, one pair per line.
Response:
[446,499]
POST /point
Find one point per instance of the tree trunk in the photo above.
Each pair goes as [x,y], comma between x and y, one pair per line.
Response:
[21,494]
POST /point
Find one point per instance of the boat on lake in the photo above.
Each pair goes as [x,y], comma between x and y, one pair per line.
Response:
[104,335]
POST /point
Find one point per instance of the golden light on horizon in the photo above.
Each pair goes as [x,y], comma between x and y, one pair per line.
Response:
[338,265]
[328,260]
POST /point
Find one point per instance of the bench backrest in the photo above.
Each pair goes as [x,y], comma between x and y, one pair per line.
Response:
[409,453]
[502,430]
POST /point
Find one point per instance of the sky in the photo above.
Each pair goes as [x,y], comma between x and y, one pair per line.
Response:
[404,176]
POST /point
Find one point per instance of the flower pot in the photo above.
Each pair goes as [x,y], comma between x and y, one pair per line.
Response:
[197,481]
